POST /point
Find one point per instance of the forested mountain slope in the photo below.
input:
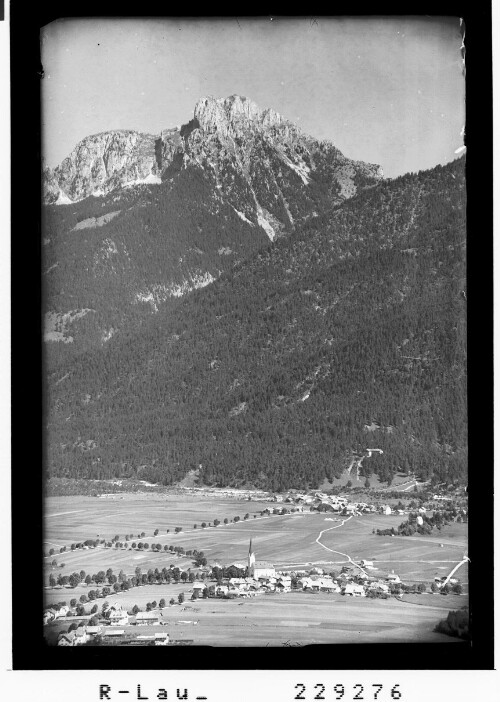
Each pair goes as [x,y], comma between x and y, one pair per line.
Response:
[347,334]
[135,221]
[111,261]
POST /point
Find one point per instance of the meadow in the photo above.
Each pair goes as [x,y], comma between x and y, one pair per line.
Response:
[291,542]
[299,618]
[288,541]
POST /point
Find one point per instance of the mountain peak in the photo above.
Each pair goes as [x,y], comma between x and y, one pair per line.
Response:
[228,114]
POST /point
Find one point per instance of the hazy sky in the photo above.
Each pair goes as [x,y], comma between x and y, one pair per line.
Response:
[387,91]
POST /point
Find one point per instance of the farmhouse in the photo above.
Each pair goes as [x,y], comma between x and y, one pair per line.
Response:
[114,633]
[364,563]
[66,639]
[393,578]
[324,585]
[93,631]
[385,509]
[147,618]
[161,639]
[117,617]
[285,580]
[198,589]
[306,583]
[354,590]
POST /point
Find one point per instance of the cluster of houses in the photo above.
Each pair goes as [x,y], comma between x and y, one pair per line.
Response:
[332,503]
[261,578]
[116,617]
[83,634]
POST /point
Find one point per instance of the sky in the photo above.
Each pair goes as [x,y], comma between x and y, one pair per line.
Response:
[389,91]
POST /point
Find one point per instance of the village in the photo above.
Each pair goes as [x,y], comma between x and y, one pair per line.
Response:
[116,624]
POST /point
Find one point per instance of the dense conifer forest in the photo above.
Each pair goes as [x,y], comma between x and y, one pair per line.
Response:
[348,333]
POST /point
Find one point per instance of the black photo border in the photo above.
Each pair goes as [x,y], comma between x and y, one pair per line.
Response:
[30,651]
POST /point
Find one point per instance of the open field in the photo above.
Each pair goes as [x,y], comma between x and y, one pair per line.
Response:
[288,541]
[293,541]
[301,618]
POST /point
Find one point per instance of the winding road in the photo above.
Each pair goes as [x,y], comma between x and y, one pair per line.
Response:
[346,555]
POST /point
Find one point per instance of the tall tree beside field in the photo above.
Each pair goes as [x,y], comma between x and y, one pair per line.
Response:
[181,597]
[52,581]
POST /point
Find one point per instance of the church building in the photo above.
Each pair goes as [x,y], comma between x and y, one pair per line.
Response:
[258,569]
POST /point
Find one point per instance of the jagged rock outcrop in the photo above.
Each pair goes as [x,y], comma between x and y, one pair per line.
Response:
[271,173]
[101,163]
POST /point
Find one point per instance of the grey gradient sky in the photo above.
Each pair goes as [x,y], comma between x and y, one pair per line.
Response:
[384,90]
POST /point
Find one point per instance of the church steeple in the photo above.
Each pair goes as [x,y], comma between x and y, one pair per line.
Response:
[251,559]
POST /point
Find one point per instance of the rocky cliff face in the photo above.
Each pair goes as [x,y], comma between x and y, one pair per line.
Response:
[225,183]
[271,173]
[101,163]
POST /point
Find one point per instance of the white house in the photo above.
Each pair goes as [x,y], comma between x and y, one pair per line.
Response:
[354,590]
[393,578]
[285,580]
[385,509]
[118,617]
[198,588]
[80,636]
[306,583]
[365,563]
[161,639]
[146,618]
[221,590]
